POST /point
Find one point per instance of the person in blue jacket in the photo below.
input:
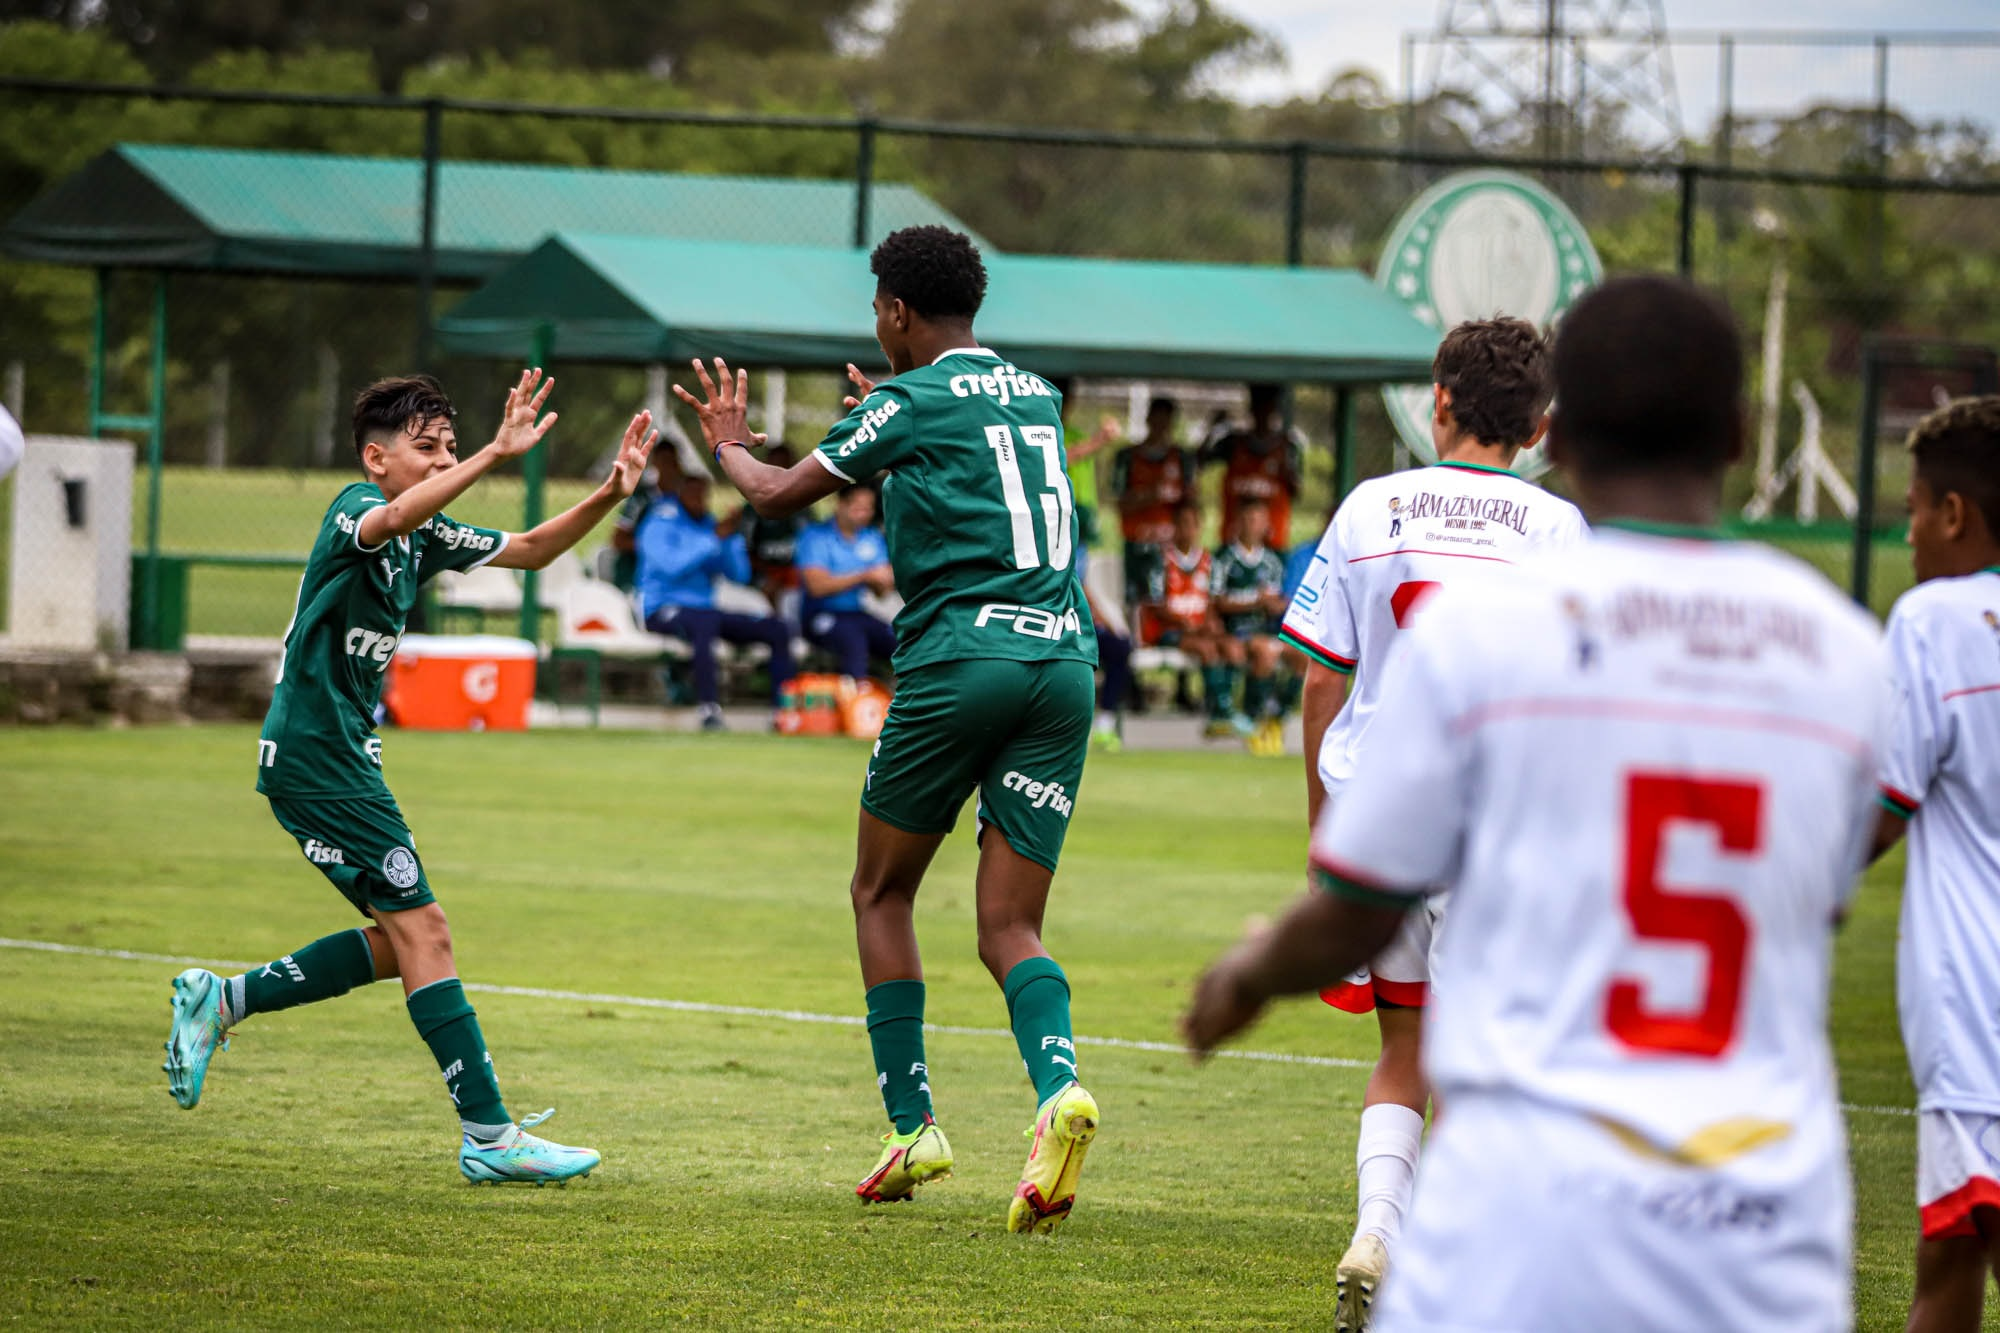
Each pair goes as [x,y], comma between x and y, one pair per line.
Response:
[682,552]
[836,560]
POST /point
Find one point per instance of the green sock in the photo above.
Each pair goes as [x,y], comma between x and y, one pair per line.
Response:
[1289,688]
[896,1033]
[449,1027]
[1256,693]
[1219,684]
[323,969]
[1038,1007]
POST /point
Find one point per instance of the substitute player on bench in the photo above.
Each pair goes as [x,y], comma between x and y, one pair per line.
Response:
[320,763]
[1644,768]
[994,685]
[1941,781]
[1393,541]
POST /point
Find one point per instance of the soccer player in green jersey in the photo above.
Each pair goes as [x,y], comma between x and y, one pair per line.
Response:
[994,684]
[320,764]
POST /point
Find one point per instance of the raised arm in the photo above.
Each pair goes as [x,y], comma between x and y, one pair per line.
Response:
[519,432]
[535,548]
[774,492]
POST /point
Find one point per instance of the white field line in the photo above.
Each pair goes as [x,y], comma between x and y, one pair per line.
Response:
[780,1015]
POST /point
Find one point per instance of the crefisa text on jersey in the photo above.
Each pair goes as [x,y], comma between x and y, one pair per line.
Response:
[1005,384]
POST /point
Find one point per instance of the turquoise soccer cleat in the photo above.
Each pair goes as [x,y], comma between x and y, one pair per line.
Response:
[196,1034]
[520,1157]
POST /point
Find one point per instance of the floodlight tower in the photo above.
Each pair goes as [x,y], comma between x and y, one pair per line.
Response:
[1562,66]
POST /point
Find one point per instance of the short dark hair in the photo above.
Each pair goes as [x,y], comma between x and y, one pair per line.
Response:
[1498,373]
[848,491]
[389,406]
[1957,448]
[1162,404]
[933,270]
[1649,378]
[1269,395]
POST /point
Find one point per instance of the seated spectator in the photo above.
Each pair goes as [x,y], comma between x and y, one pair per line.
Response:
[1248,585]
[836,560]
[663,478]
[682,551]
[773,544]
[1182,617]
[1264,461]
[1150,478]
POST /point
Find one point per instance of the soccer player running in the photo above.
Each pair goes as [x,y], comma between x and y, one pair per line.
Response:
[1941,781]
[1393,541]
[320,764]
[994,684]
[1644,768]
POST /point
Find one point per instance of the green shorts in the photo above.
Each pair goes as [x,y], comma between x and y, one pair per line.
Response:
[360,843]
[1015,731]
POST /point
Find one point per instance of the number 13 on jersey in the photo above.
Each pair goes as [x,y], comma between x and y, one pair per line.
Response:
[1057,505]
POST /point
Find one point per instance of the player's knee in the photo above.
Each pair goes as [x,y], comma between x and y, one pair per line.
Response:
[873,890]
[417,931]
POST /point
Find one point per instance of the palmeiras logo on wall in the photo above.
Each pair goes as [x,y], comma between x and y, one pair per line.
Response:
[1478,244]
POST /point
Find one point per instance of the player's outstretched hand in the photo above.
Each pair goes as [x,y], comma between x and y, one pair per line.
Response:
[863,386]
[633,451]
[519,430]
[1223,1004]
[725,411]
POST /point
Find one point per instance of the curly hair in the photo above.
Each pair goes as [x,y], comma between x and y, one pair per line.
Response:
[935,271]
[1498,373]
[1649,379]
[1957,448]
[388,406]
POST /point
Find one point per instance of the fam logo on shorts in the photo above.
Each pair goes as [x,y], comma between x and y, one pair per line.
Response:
[399,867]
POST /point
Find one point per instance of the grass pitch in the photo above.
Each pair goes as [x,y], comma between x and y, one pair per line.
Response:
[316,1185]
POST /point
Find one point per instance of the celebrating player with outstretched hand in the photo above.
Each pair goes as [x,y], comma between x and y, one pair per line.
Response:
[994,684]
[319,761]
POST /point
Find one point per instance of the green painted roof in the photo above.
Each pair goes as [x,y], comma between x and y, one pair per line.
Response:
[242,211]
[639,299]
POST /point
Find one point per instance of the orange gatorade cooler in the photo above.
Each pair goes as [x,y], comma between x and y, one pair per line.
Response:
[864,707]
[461,682]
[809,705]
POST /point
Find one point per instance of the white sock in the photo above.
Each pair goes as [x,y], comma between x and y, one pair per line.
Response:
[1107,721]
[1385,1168]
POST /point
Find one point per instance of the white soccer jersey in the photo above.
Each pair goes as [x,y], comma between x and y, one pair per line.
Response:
[1394,540]
[1943,768]
[1645,770]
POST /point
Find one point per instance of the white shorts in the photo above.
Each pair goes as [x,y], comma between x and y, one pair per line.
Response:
[1400,976]
[1958,1170]
[1530,1220]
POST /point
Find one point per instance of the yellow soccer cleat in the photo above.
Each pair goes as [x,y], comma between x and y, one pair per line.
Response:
[1063,1129]
[1356,1281]
[907,1161]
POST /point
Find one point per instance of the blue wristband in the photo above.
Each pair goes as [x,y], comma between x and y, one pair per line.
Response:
[724,445]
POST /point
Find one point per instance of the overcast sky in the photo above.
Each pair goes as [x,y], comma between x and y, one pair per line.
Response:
[1323,37]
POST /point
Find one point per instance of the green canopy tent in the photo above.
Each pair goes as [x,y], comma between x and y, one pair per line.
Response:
[645,299]
[308,215]
[642,299]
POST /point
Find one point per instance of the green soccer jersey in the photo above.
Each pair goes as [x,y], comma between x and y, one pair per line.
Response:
[977,508]
[1237,573]
[319,737]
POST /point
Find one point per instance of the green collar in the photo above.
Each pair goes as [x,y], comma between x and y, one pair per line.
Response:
[1475,467]
[1683,531]
[1991,569]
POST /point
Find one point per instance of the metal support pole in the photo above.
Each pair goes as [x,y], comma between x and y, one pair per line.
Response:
[534,467]
[864,180]
[1295,207]
[1409,126]
[1864,475]
[1685,257]
[427,237]
[1343,442]
[149,605]
[1878,200]
[97,354]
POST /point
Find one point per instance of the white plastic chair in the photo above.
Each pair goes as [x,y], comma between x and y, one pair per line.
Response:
[477,593]
[594,621]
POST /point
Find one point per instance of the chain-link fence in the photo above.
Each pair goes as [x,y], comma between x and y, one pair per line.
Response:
[260,365]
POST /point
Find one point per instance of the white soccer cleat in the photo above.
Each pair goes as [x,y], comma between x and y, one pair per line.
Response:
[1356,1281]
